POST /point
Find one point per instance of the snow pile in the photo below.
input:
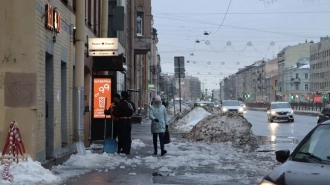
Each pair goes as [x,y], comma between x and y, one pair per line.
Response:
[212,110]
[188,121]
[30,172]
[224,128]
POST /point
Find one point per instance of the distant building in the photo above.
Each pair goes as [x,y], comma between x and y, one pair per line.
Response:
[320,70]
[271,71]
[287,58]
[297,82]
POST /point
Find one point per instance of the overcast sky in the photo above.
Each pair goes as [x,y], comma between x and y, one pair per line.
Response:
[252,30]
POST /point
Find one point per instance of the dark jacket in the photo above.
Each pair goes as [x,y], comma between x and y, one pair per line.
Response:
[121,109]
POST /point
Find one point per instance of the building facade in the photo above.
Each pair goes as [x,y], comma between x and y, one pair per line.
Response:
[258,81]
[229,88]
[288,57]
[271,71]
[297,82]
[320,70]
[37,74]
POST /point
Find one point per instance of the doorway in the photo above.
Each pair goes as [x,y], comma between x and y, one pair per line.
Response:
[49,86]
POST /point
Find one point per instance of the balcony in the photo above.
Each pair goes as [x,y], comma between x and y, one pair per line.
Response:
[295,80]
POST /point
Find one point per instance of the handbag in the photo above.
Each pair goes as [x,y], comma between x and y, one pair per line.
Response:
[167,138]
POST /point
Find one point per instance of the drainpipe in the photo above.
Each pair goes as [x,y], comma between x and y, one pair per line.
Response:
[104,24]
[79,75]
[132,44]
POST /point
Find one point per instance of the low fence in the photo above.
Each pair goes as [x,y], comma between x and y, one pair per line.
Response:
[296,106]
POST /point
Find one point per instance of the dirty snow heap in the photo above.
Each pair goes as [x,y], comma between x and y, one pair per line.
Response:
[188,120]
[224,128]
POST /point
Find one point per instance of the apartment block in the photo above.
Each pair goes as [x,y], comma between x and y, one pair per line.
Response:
[320,70]
[288,57]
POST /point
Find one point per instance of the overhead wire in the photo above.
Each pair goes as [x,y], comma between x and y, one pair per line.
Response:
[223,20]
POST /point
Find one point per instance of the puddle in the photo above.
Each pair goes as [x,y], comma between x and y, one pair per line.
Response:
[266,140]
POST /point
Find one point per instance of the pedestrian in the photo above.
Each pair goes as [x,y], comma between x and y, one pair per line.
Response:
[124,111]
[159,123]
[116,100]
[163,103]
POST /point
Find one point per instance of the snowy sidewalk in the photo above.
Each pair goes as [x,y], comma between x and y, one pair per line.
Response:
[185,163]
[299,112]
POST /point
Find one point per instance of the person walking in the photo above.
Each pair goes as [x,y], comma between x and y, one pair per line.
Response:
[124,111]
[159,123]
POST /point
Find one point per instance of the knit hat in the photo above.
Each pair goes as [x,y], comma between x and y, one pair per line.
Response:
[117,96]
[157,98]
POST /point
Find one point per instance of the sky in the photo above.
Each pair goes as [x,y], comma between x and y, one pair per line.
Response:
[240,32]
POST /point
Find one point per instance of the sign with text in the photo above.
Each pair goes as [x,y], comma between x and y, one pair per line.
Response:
[103,53]
[103,44]
[179,61]
[102,96]
[53,19]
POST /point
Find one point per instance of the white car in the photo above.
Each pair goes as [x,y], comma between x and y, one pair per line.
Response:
[280,111]
[231,106]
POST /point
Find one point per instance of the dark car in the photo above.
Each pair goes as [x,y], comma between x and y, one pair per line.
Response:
[309,164]
[324,115]
[204,103]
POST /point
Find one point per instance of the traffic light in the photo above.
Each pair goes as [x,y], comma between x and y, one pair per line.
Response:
[292,96]
[248,95]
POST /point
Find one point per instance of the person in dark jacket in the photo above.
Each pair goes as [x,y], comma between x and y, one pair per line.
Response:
[164,103]
[116,99]
[124,111]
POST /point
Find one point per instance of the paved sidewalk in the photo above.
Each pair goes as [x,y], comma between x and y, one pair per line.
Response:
[299,112]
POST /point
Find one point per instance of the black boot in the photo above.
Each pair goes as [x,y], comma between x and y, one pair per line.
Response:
[164,152]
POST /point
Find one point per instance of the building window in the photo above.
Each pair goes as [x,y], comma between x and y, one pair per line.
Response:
[90,13]
[297,75]
[306,86]
[306,75]
[297,86]
[139,24]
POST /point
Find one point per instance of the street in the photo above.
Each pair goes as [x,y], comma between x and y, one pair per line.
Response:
[271,136]
[280,133]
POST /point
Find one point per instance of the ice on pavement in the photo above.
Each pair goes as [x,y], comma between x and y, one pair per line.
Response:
[188,121]
[224,128]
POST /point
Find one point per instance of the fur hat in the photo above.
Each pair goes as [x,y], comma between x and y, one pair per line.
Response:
[157,98]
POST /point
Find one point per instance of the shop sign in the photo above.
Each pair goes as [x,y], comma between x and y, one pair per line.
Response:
[103,44]
[102,96]
[53,19]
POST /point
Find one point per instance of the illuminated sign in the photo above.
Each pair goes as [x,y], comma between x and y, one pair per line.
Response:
[103,44]
[53,19]
[102,96]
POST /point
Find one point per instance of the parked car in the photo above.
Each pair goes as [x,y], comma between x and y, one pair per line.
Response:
[324,115]
[243,105]
[280,111]
[308,164]
[231,106]
[203,103]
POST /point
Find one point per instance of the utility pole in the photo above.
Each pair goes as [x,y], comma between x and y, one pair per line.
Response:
[140,93]
[180,85]
[79,75]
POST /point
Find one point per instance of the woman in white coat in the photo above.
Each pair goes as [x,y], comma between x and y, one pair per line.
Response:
[159,123]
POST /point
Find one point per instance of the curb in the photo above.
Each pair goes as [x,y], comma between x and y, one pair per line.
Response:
[295,112]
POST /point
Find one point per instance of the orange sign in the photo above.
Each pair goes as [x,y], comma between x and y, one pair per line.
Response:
[102,96]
